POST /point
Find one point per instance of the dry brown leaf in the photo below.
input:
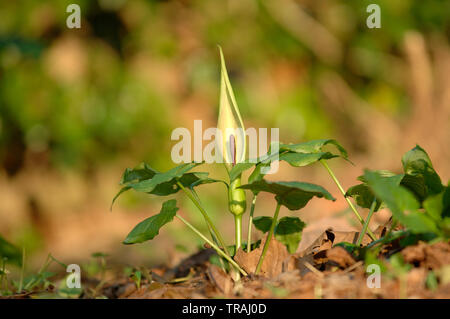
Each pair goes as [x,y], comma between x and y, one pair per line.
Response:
[430,256]
[273,262]
[301,264]
[340,256]
[220,279]
[330,237]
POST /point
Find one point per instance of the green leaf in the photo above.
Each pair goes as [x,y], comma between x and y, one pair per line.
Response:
[149,228]
[144,171]
[264,162]
[152,182]
[383,173]
[304,159]
[239,168]
[446,202]
[423,179]
[262,223]
[363,196]
[287,231]
[434,206]
[166,180]
[297,155]
[401,202]
[293,195]
[12,253]
[314,146]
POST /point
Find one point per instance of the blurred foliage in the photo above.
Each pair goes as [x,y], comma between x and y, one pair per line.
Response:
[137,69]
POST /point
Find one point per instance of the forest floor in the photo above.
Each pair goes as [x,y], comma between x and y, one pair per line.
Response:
[320,271]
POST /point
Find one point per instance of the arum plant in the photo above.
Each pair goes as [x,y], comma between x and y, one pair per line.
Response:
[232,147]
[418,188]
[416,198]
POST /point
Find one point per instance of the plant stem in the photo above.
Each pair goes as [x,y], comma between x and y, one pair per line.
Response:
[213,237]
[22,271]
[206,216]
[217,249]
[238,230]
[361,220]
[3,276]
[366,223]
[250,222]
[269,237]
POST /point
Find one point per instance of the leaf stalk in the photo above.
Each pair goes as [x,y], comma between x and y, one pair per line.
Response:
[341,189]
[269,237]
[366,223]
[250,222]
[216,248]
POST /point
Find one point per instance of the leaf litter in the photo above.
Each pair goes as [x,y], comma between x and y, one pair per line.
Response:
[322,270]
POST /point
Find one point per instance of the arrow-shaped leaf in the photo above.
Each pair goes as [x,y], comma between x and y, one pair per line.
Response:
[401,202]
[421,178]
[314,146]
[287,231]
[149,228]
[293,195]
[145,179]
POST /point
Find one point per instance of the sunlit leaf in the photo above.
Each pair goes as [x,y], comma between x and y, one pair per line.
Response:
[434,205]
[401,202]
[262,223]
[149,228]
[287,231]
[421,178]
[446,202]
[298,155]
[239,168]
[314,146]
[364,195]
[152,182]
[293,195]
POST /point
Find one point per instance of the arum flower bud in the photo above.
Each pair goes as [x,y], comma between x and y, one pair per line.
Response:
[232,139]
[230,126]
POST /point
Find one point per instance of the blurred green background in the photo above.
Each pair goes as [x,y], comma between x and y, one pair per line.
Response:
[78,106]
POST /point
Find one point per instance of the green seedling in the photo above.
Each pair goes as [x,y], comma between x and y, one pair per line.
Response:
[136,276]
[101,261]
[41,280]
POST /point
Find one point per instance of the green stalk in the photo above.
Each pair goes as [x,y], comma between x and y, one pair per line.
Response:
[366,223]
[269,237]
[216,248]
[213,237]
[3,276]
[22,271]
[237,206]
[206,216]
[361,220]
[250,222]
[238,230]
[211,232]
